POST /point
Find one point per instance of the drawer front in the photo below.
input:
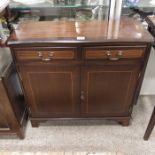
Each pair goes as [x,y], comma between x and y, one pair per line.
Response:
[114,54]
[45,54]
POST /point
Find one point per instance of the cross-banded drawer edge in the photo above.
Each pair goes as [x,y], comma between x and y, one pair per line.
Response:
[105,53]
[45,54]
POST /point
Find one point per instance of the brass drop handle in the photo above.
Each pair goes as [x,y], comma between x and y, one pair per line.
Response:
[40,54]
[82,95]
[49,58]
[46,59]
[51,55]
[119,55]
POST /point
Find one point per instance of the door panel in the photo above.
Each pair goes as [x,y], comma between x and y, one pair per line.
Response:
[52,91]
[108,90]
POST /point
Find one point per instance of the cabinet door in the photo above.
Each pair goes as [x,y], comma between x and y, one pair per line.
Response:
[51,91]
[108,90]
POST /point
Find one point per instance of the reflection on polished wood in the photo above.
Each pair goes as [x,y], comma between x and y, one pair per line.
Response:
[95,31]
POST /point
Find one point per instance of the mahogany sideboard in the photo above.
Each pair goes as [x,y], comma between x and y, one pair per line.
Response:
[81,69]
[13,113]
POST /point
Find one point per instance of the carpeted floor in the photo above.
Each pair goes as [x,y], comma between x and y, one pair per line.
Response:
[90,136]
[60,153]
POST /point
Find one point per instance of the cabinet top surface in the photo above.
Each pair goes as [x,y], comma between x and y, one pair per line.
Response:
[125,30]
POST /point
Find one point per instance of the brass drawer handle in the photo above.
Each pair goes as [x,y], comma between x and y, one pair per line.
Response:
[46,59]
[40,54]
[82,96]
[119,56]
[51,55]
[49,58]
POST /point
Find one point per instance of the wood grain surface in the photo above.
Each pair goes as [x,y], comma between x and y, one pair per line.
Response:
[96,31]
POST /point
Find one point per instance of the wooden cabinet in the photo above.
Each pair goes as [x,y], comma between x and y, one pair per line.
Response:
[65,78]
[13,113]
[91,85]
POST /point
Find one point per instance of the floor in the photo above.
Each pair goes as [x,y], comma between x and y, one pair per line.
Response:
[60,153]
[88,136]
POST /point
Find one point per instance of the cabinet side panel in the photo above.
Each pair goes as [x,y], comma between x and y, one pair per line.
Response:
[13,87]
[3,121]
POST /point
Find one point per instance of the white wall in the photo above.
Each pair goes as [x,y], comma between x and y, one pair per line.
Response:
[148,87]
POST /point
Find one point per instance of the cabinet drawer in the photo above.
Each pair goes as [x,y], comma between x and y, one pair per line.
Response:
[114,54]
[45,54]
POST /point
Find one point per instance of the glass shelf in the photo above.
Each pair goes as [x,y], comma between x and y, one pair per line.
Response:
[59,10]
[61,4]
[146,6]
[139,3]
